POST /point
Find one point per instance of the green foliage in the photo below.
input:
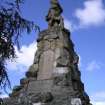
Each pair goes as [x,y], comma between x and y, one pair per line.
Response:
[12,24]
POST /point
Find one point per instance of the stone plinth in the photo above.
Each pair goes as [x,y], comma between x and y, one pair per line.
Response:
[54,77]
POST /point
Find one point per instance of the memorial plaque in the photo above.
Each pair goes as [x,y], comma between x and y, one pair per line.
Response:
[46,65]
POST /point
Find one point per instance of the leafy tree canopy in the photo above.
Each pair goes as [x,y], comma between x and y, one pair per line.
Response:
[12,24]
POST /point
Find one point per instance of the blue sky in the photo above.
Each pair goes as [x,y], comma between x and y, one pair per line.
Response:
[86,21]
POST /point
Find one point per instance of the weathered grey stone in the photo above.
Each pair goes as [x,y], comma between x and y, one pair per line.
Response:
[37,56]
[63,60]
[46,97]
[33,70]
[53,44]
[61,80]
[24,81]
[39,86]
[17,88]
[51,36]
[76,74]
[76,101]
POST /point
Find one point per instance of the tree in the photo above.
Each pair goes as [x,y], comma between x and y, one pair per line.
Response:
[11,26]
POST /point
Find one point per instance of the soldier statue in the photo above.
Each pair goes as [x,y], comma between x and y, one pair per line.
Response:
[54,17]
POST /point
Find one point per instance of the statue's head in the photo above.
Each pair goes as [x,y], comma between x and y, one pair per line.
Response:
[56,6]
[54,1]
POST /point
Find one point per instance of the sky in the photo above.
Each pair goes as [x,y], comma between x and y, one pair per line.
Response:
[86,21]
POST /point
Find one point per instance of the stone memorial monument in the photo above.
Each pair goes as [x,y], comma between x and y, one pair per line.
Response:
[54,77]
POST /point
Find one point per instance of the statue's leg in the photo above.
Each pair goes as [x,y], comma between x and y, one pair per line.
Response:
[62,22]
[50,24]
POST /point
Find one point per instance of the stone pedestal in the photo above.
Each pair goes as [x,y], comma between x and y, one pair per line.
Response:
[54,77]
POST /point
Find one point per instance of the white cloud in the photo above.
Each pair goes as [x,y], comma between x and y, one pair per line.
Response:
[3,95]
[68,24]
[24,57]
[80,61]
[93,65]
[98,98]
[93,13]
[98,102]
